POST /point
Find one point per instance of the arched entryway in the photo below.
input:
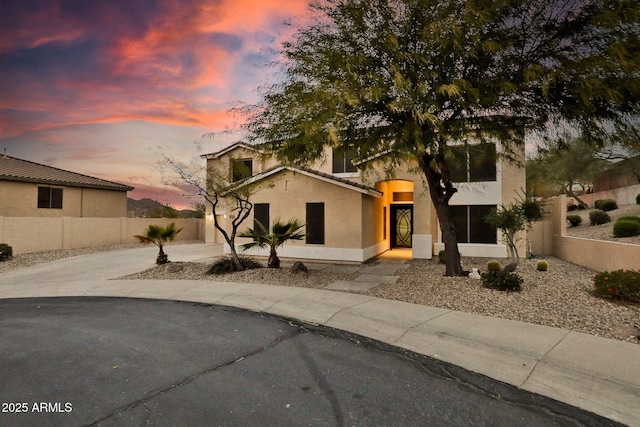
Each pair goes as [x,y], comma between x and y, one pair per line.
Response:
[397,212]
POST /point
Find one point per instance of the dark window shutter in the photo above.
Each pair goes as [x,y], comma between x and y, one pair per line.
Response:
[315,223]
[261,216]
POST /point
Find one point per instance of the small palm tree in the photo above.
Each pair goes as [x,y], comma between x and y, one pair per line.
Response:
[159,236]
[280,233]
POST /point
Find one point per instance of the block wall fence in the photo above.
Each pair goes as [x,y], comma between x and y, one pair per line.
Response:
[36,234]
[549,238]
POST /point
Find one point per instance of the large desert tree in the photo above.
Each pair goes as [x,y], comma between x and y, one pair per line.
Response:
[413,77]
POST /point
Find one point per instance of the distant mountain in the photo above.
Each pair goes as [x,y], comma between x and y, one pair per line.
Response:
[147,208]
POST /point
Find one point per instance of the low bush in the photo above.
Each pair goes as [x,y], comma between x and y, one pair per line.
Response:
[630,218]
[574,220]
[225,265]
[626,228]
[502,281]
[606,205]
[493,265]
[6,251]
[619,285]
[598,217]
[542,265]
[572,207]
[638,199]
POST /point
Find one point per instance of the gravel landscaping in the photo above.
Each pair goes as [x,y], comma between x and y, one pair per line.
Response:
[603,231]
[561,297]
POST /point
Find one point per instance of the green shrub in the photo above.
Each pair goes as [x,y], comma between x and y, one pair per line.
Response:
[442,257]
[502,281]
[638,199]
[626,228]
[542,265]
[6,251]
[606,205]
[620,284]
[598,217]
[572,207]
[494,265]
[630,218]
[225,265]
[574,220]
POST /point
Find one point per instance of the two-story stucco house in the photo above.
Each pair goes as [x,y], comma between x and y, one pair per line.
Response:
[354,216]
[29,189]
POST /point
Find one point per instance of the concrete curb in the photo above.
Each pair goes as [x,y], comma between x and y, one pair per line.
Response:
[600,375]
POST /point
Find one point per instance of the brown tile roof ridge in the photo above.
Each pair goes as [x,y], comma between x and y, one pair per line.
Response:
[14,169]
[299,169]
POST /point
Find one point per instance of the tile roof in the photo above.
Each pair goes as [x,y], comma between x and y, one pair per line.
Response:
[229,148]
[13,169]
[312,173]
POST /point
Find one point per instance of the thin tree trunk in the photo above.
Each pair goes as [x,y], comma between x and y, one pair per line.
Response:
[235,259]
[274,261]
[162,257]
[570,192]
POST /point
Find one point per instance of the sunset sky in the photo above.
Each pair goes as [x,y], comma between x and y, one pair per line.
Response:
[101,86]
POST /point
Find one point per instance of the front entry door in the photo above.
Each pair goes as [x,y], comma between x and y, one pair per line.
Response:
[401,226]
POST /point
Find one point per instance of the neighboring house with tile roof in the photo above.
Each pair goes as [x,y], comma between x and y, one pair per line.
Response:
[353,216]
[29,189]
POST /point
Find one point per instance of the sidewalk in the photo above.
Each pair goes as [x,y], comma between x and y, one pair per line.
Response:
[597,374]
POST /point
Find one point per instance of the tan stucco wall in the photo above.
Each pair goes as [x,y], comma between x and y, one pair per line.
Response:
[20,199]
[514,184]
[34,234]
[223,164]
[291,192]
[550,238]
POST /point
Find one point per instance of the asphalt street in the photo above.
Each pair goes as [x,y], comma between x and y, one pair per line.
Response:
[121,362]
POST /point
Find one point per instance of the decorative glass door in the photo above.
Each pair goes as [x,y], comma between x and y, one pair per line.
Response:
[401,226]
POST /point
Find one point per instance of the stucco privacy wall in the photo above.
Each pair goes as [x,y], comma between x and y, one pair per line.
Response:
[549,238]
[623,195]
[36,234]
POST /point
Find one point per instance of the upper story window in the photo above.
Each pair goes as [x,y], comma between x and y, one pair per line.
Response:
[49,198]
[474,163]
[343,160]
[241,169]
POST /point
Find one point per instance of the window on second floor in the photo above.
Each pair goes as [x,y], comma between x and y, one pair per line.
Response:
[241,169]
[49,198]
[343,160]
[473,163]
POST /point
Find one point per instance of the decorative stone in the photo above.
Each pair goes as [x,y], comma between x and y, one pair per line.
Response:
[298,267]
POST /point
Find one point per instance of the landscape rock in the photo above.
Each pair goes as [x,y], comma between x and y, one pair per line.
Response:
[299,267]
